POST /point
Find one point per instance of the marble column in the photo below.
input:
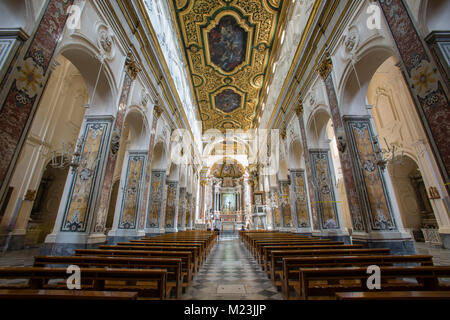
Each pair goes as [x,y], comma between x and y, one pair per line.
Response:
[126,219]
[75,220]
[157,111]
[275,204]
[171,212]
[285,206]
[155,210]
[426,71]
[105,196]
[362,209]
[299,201]
[182,210]
[309,175]
[425,79]
[21,93]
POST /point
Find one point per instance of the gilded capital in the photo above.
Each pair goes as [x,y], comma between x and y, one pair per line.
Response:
[299,109]
[283,134]
[157,111]
[131,65]
[325,66]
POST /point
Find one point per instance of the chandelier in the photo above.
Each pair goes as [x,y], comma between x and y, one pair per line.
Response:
[77,160]
[391,155]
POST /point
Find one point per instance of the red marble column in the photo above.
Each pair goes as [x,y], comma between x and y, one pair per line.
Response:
[27,85]
[424,79]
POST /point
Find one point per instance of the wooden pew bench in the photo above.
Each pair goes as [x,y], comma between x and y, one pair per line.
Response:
[43,294]
[172,265]
[148,283]
[269,249]
[325,282]
[394,295]
[291,266]
[276,263]
[187,265]
[192,250]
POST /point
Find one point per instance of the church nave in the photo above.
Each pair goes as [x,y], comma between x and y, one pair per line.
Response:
[231,273]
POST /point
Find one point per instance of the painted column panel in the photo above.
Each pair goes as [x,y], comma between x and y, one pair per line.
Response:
[370,179]
[424,79]
[132,191]
[326,199]
[187,211]
[84,184]
[171,204]
[300,198]
[274,197]
[24,92]
[181,207]
[155,207]
[112,155]
[285,205]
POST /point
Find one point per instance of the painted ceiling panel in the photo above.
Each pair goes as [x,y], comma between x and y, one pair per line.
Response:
[228,44]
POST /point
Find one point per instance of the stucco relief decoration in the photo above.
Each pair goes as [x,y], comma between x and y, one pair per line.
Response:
[105,41]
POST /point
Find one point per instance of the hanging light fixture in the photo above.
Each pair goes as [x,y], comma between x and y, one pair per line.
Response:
[77,160]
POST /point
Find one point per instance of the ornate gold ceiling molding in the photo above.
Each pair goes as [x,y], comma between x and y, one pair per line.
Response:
[259,22]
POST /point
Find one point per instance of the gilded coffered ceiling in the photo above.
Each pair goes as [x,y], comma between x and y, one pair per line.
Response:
[228,45]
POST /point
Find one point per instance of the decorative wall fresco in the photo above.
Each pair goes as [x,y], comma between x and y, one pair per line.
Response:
[354,203]
[369,174]
[424,80]
[285,205]
[325,190]
[112,155]
[274,199]
[132,191]
[156,198]
[78,207]
[171,204]
[227,100]
[22,96]
[181,206]
[300,197]
[227,44]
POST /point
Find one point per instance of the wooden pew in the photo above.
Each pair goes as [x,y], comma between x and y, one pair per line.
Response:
[185,256]
[394,295]
[151,283]
[265,250]
[193,250]
[269,249]
[201,251]
[43,294]
[276,263]
[291,265]
[331,280]
[172,265]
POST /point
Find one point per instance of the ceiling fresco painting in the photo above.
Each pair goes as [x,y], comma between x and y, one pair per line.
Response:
[227,169]
[228,101]
[228,45]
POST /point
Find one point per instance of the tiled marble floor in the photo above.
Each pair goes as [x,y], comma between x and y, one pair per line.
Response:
[231,273]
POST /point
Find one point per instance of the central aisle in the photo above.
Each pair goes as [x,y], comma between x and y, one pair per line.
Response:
[231,273]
